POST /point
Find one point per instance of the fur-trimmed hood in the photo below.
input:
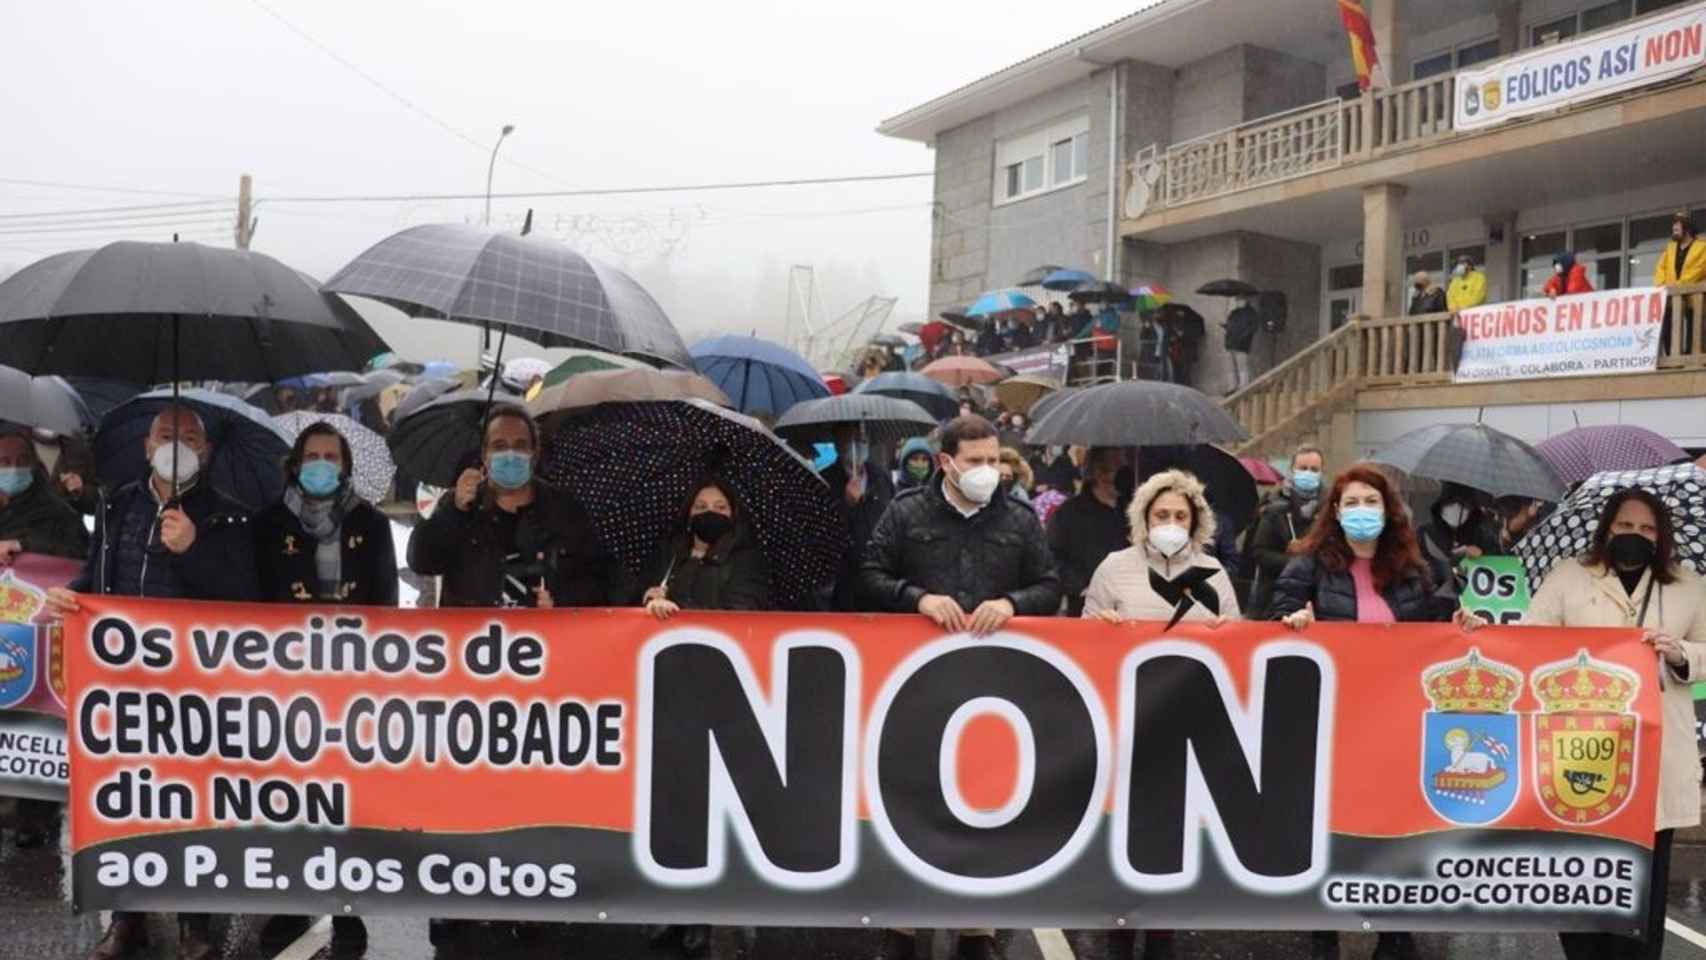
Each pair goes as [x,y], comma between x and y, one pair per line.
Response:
[1172,481]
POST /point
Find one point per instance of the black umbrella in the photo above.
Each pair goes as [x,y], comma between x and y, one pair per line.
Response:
[41,403]
[1035,276]
[1227,288]
[1135,413]
[247,463]
[529,286]
[886,420]
[167,312]
[1476,456]
[1102,292]
[434,441]
[633,466]
[1049,400]
[887,340]
[1230,489]
[959,318]
[936,399]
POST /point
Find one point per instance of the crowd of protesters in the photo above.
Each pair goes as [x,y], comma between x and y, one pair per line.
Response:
[966,527]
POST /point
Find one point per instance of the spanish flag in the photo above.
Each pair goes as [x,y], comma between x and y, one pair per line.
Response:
[1361,35]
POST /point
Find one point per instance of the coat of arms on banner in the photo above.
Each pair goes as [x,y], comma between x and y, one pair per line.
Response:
[1471,768]
[1584,739]
[19,602]
[1491,95]
[17,662]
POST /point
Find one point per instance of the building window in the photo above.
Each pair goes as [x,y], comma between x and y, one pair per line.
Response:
[1445,61]
[1557,31]
[1599,248]
[1053,157]
[1347,277]
[1537,252]
[1605,15]
[1649,6]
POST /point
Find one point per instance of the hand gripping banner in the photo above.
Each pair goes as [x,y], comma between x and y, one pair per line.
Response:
[844,770]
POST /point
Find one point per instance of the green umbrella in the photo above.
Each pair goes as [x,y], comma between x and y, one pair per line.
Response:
[581,363]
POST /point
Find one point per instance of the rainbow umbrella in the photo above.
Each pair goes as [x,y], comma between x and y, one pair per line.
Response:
[1150,296]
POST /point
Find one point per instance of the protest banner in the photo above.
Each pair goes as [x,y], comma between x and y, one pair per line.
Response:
[845,770]
[33,756]
[1496,588]
[1588,334]
[1049,360]
[1560,74]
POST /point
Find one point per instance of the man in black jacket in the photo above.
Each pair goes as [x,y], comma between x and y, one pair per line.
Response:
[180,541]
[967,558]
[1284,517]
[1089,526]
[863,492]
[500,538]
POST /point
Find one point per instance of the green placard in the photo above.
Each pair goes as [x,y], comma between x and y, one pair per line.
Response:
[1497,588]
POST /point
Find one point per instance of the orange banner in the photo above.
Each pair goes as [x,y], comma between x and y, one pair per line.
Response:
[824,769]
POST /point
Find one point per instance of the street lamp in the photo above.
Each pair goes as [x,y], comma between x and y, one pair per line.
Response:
[508,129]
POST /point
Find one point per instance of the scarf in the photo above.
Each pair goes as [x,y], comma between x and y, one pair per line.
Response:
[323,519]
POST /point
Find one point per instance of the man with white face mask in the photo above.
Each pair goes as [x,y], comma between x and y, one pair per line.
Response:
[187,543]
[967,558]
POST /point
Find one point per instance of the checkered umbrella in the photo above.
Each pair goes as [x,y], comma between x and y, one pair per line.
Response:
[633,466]
[1474,455]
[373,469]
[528,286]
[1570,528]
[1580,453]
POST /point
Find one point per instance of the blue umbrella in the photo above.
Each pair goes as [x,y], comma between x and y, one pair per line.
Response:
[1067,280]
[248,448]
[759,376]
[931,394]
[999,301]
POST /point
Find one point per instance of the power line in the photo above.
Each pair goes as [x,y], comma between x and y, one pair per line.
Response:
[135,219]
[608,192]
[96,228]
[58,185]
[411,105]
[145,209]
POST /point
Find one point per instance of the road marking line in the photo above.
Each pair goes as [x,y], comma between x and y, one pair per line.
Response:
[310,942]
[1685,932]
[1053,944]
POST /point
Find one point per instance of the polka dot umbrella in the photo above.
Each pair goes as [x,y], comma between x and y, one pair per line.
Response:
[1580,453]
[1569,530]
[633,466]
[374,469]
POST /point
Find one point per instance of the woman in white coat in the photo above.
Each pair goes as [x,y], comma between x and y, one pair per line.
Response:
[1166,566]
[1630,578]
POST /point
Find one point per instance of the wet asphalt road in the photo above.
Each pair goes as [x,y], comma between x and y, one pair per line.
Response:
[37,924]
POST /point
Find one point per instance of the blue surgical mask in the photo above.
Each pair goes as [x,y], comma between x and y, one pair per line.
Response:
[1306,481]
[1362,524]
[510,469]
[15,480]
[319,478]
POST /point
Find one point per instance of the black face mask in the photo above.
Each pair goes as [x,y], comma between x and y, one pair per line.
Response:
[710,527]
[1631,551]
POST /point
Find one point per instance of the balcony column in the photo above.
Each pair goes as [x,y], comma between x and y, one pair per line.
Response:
[1382,248]
[1383,17]
[1509,14]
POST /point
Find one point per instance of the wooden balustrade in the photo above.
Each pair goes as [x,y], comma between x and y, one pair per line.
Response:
[1299,384]
[1684,344]
[1408,349]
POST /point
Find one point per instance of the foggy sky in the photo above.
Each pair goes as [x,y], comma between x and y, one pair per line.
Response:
[186,95]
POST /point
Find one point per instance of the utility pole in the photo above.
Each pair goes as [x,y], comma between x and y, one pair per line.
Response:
[245,209]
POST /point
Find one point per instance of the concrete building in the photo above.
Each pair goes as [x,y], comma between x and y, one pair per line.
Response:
[1198,139]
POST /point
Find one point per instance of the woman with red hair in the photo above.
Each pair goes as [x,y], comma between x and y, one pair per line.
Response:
[1359,562]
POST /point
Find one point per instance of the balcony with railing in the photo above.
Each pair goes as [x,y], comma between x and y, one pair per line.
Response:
[1295,399]
[1301,141]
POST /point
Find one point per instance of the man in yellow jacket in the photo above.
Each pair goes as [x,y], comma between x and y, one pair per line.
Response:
[1683,261]
[1468,286]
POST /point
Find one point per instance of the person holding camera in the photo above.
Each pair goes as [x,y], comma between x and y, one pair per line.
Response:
[504,539]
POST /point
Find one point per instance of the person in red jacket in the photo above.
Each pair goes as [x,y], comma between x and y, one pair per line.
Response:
[1568,277]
